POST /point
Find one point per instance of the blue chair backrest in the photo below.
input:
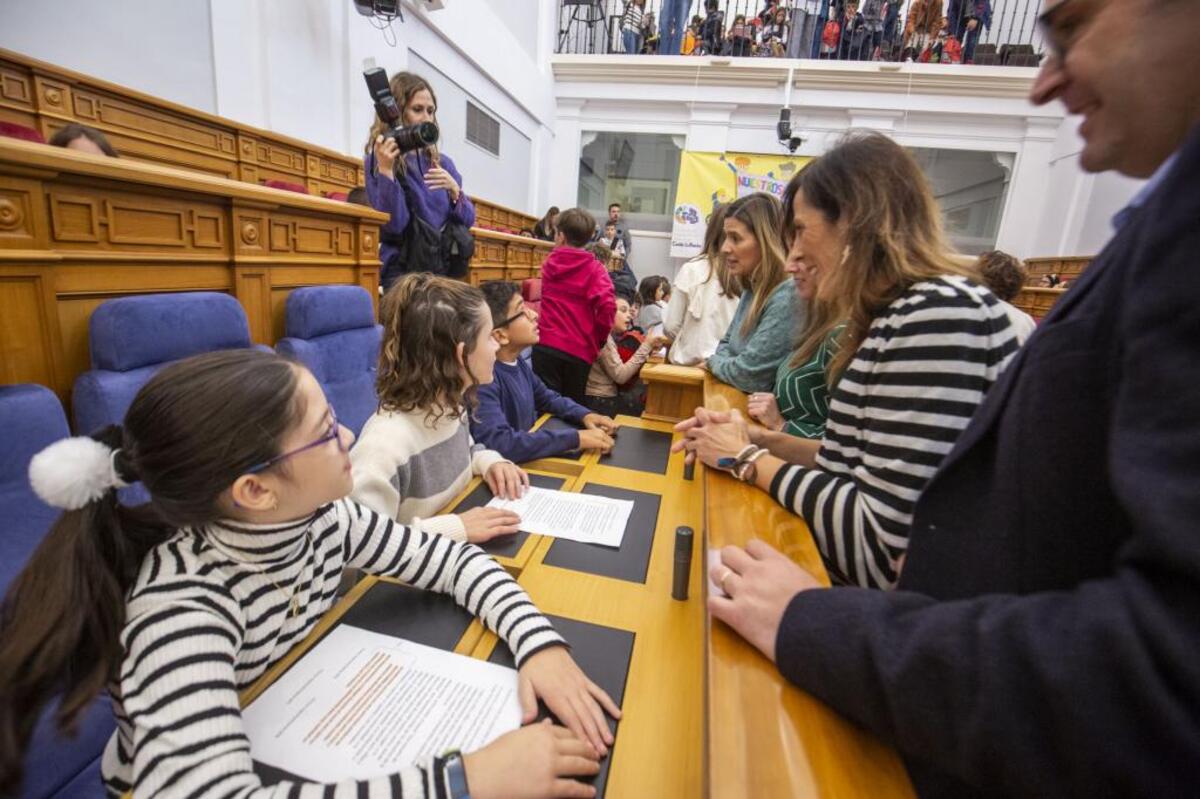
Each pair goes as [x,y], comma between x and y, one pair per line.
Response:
[32,418]
[131,338]
[332,331]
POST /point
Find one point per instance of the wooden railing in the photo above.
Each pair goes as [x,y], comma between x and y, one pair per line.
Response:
[78,229]
[47,97]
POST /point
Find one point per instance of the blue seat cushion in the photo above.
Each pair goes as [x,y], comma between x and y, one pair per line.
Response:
[315,311]
[133,332]
[32,418]
[57,765]
[344,364]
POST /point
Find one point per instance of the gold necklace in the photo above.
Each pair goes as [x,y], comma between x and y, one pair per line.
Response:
[293,598]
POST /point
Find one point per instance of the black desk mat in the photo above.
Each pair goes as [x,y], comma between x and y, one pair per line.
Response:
[554,423]
[398,610]
[506,546]
[604,654]
[628,562]
[642,450]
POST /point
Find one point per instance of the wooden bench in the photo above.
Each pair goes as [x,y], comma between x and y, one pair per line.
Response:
[142,127]
[78,229]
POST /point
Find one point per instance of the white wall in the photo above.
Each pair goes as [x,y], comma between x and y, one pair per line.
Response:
[502,179]
[1050,206]
[295,67]
[164,49]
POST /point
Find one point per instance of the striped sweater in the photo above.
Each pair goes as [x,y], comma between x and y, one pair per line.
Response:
[209,613]
[911,388]
[409,468]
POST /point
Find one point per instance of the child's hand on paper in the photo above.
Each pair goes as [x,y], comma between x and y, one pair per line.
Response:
[507,480]
[534,761]
[553,676]
[484,524]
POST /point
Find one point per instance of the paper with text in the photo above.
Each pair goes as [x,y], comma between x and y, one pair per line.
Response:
[563,514]
[361,704]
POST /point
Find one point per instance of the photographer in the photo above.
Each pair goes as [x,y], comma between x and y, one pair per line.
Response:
[419,188]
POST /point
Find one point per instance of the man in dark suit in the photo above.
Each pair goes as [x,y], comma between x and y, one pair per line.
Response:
[1045,635]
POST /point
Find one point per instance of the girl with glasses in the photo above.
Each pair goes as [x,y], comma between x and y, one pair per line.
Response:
[176,606]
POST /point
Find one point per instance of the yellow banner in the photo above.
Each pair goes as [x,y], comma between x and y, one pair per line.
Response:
[709,179]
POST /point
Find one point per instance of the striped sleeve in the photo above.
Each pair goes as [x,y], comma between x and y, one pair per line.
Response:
[895,414]
[479,584]
[178,691]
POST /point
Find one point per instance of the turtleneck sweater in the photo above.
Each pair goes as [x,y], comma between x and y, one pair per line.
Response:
[216,606]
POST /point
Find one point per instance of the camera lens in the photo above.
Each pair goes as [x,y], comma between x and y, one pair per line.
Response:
[416,137]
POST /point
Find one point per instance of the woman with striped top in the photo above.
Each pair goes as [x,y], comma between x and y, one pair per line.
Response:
[178,605]
[922,344]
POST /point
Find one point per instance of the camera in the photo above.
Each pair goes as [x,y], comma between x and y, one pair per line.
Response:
[411,138]
[783,129]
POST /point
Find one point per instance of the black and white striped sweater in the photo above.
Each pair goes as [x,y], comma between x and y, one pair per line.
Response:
[897,410]
[209,613]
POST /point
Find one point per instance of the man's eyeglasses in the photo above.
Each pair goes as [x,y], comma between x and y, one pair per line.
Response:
[334,432]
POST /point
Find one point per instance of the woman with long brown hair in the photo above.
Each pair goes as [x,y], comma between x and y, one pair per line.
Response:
[922,343]
[703,300]
[419,187]
[761,333]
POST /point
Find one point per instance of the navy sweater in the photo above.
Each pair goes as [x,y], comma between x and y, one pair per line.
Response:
[509,406]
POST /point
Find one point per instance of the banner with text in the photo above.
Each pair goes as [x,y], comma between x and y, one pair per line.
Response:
[709,179]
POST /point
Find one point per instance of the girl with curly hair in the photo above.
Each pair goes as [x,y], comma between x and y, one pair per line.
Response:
[416,453]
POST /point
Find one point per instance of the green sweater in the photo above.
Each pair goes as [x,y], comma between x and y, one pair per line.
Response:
[749,363]
[802,393]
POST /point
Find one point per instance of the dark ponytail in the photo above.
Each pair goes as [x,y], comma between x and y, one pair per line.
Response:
[190,432]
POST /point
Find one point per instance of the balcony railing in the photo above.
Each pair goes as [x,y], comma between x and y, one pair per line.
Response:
[993,32]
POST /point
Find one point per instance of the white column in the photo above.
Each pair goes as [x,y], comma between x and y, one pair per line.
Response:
[708,127]
[563,166]
[1026,206]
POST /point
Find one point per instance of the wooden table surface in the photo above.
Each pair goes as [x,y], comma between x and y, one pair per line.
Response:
[704,713]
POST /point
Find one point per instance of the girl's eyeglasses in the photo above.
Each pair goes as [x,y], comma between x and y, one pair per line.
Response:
[333,433]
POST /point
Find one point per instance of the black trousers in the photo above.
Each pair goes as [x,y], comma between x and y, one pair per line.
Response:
[562,372]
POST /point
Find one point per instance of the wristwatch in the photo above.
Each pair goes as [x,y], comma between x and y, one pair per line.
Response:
[456,775]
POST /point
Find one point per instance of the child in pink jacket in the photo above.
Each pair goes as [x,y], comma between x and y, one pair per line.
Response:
[577,308]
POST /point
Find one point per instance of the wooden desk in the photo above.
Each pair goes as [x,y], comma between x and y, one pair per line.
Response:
[766,737]
[672,392]
[704,713]
[78,229]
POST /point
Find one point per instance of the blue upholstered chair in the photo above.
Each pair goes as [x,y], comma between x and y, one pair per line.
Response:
[332,331]
[131,338]
[32,418]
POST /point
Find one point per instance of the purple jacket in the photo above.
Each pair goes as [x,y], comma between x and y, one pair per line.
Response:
[431,205]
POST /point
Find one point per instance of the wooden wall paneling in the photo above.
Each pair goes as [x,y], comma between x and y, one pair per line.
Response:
[30,342]
[252,288]
[367,266]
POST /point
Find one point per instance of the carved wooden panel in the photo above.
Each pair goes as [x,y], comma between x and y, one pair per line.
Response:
[279,156]
[27,338]
[16,88]
[252,287]
[477,275]
[488,252]
[21,224]
[131,222]
[113,113]
[310,236]
[519,255]
[518,274]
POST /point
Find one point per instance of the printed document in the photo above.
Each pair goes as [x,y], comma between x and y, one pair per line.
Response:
[361,704]
[564,514]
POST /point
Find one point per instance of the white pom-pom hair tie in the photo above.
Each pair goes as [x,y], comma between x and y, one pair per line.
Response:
[72,472]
